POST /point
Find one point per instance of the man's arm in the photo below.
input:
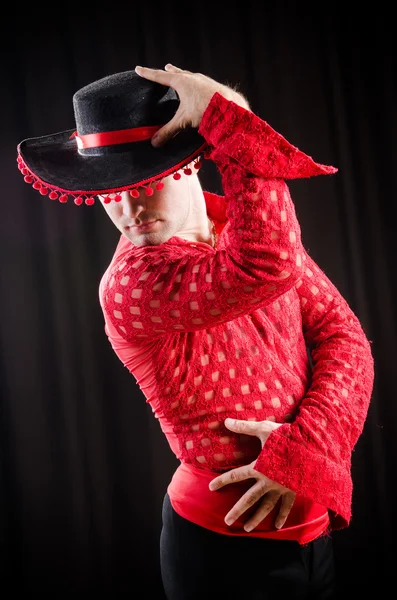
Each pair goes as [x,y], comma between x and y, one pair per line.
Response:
[312,455]
[167,289]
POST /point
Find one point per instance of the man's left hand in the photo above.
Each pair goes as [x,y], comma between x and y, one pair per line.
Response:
[271,491]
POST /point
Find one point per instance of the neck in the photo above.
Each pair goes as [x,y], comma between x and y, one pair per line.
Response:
[198,227]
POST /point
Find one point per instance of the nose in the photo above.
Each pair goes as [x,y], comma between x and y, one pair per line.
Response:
[132,207]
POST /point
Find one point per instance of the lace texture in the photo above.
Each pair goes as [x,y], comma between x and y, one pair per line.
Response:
[224,332]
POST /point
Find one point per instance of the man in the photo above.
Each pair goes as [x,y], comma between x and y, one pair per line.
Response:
[212,303]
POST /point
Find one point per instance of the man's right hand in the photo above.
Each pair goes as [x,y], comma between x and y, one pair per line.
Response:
[195,91]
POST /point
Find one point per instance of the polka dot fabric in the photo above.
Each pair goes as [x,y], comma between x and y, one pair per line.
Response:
[216,333]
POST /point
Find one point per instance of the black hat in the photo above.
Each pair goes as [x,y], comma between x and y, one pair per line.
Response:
[110,150]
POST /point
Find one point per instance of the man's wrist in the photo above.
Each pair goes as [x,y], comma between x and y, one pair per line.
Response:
[237,98]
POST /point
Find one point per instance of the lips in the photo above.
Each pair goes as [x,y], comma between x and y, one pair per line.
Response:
[144,225]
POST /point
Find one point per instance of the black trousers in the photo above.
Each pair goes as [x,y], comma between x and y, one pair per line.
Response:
[200,564]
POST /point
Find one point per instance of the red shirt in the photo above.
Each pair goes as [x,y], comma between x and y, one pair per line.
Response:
[216,333]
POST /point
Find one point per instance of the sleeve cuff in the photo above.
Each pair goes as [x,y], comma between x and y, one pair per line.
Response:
[244,137]
[312,476]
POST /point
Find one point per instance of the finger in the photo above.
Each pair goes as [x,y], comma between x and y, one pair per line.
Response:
[251,427]
[156,75]
[238,474]
[287,503]
[168,131]
[240,426]
[173,68]
[269,502]
[247,500]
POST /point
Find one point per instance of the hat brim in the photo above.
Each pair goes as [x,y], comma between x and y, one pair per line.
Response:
[55,161]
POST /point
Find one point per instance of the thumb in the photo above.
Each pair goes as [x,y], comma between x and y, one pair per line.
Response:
[168,131]
[240,426]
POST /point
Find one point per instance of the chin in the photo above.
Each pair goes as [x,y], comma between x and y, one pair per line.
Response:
[148,239]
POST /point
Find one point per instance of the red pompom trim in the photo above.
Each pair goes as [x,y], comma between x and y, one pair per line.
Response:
[54,192]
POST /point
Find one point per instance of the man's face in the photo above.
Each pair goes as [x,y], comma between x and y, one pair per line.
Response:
[152,220]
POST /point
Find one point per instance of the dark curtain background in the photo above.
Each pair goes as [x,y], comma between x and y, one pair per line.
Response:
[83,464]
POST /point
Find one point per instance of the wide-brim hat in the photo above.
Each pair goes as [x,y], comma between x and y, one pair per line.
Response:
[109,150]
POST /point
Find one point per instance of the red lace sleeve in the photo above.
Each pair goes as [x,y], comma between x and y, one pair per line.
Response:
[312,455]
[180,287]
